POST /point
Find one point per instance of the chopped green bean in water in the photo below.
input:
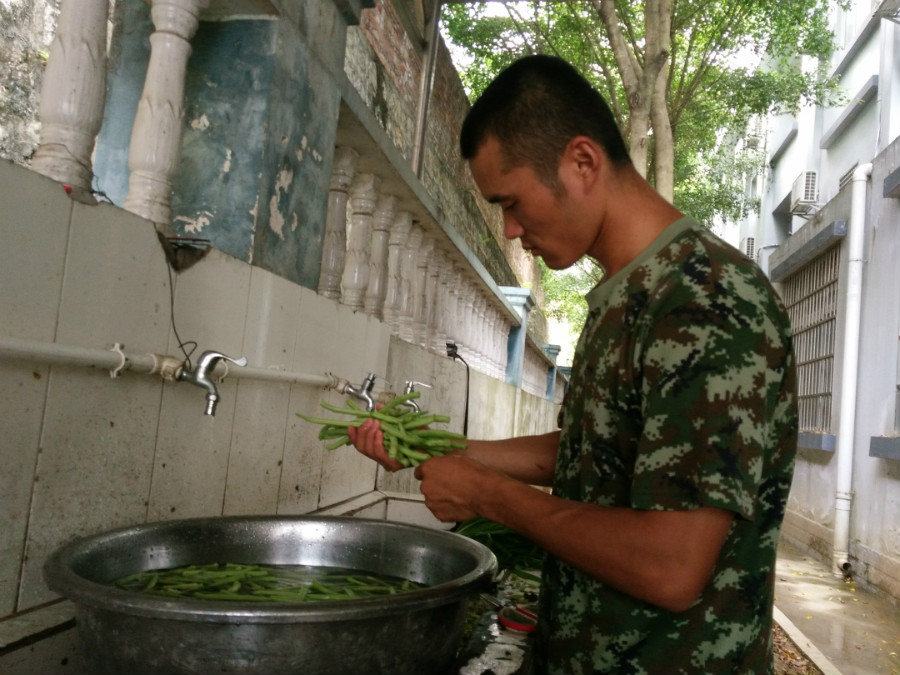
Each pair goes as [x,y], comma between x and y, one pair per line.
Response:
[265,583]
[407,437]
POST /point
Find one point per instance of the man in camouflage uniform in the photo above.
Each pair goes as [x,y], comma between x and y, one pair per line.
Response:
[673,461]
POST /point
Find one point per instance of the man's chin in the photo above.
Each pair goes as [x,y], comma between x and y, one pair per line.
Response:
[553,263]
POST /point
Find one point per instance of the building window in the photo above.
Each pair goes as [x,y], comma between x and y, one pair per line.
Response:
[810,295]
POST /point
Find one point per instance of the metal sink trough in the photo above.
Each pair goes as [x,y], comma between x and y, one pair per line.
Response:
[416,632]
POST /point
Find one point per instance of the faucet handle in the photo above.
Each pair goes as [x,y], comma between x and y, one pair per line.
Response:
[368,382]
[412,384]
[209,358]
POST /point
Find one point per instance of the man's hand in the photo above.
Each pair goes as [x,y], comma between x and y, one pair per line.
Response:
[369,440]
[452,484]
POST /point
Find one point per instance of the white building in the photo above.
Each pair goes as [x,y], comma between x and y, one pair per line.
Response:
[828,233]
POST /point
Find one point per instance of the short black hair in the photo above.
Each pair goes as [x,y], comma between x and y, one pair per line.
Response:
[534,108]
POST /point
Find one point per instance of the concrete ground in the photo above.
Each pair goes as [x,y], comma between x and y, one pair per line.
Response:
[843,628]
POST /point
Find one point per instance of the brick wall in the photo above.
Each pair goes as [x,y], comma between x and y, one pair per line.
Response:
[385,67]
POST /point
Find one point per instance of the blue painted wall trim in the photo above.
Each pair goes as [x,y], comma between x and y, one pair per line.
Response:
[261,113]
[522,301]
[810,441]
[886,447]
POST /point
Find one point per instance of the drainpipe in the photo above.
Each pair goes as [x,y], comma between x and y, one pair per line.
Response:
[849,371]
[426,82]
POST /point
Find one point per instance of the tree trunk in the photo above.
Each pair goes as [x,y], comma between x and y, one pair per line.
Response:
[640,82]
[663,140]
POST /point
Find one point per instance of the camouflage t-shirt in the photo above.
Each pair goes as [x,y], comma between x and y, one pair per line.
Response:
[682,395]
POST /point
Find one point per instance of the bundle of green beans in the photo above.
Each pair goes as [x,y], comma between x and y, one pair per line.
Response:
[513,551]
[259,583]
[406,436]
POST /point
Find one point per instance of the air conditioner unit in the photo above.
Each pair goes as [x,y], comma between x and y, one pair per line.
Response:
[754,133]
[805,192]
[748,247]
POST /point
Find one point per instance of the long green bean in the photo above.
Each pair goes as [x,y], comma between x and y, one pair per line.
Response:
[406,436]
[513,551]
[263,583]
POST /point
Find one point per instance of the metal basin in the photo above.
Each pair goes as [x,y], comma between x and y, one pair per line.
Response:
[417,632]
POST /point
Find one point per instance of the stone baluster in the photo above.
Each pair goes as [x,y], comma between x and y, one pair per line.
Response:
[490,344]
[436,334]
[408,280]
[461,302]
[73,94]
[420,294]
[451,304]
[466,297]
[334,246]
[393,299]
[376,292]
[355,279]
[500,333]
[156,134]
[481,332]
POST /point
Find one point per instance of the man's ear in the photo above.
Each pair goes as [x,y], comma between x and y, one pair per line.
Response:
[585,159]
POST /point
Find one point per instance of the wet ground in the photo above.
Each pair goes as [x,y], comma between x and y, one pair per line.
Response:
[856,630]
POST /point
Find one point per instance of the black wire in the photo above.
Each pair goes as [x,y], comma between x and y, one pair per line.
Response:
[181,344]
[453,353]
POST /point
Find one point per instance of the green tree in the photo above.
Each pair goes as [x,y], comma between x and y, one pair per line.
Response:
[677,73]
[683,77]
[25,28]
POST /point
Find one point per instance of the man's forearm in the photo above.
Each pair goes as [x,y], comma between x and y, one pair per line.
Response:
[530,459]
[662,557]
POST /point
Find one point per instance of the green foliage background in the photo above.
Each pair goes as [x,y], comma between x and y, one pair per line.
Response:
[731,62]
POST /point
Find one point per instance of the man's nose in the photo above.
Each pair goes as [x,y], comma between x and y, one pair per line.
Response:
[512,229]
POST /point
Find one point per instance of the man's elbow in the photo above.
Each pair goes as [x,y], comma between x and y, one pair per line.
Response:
[678,594]
[677,603]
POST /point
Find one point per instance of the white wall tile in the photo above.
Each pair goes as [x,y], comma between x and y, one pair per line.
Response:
[261,412]
[93,471]
[23,389]
[257,448]
[298,491]
[34,231]
[272,320]
[330,338]
[116,286]
[211,304]
[191,459]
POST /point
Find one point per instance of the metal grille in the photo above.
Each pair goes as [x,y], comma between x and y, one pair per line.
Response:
[811,298]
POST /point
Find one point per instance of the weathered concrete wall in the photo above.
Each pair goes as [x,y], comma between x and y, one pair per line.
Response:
[874,520]
[261,109]
[83,452]
[385,68]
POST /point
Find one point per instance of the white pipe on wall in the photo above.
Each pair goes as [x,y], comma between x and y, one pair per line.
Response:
[849,371]
[116,361]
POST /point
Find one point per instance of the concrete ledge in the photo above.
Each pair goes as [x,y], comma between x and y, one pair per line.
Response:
[850,113]
[783,144]
[43,621]
[886,447]
[811,441]
[804,644]
[794,253]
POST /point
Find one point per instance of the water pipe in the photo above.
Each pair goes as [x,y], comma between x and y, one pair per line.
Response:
[115,360]
[849,371]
